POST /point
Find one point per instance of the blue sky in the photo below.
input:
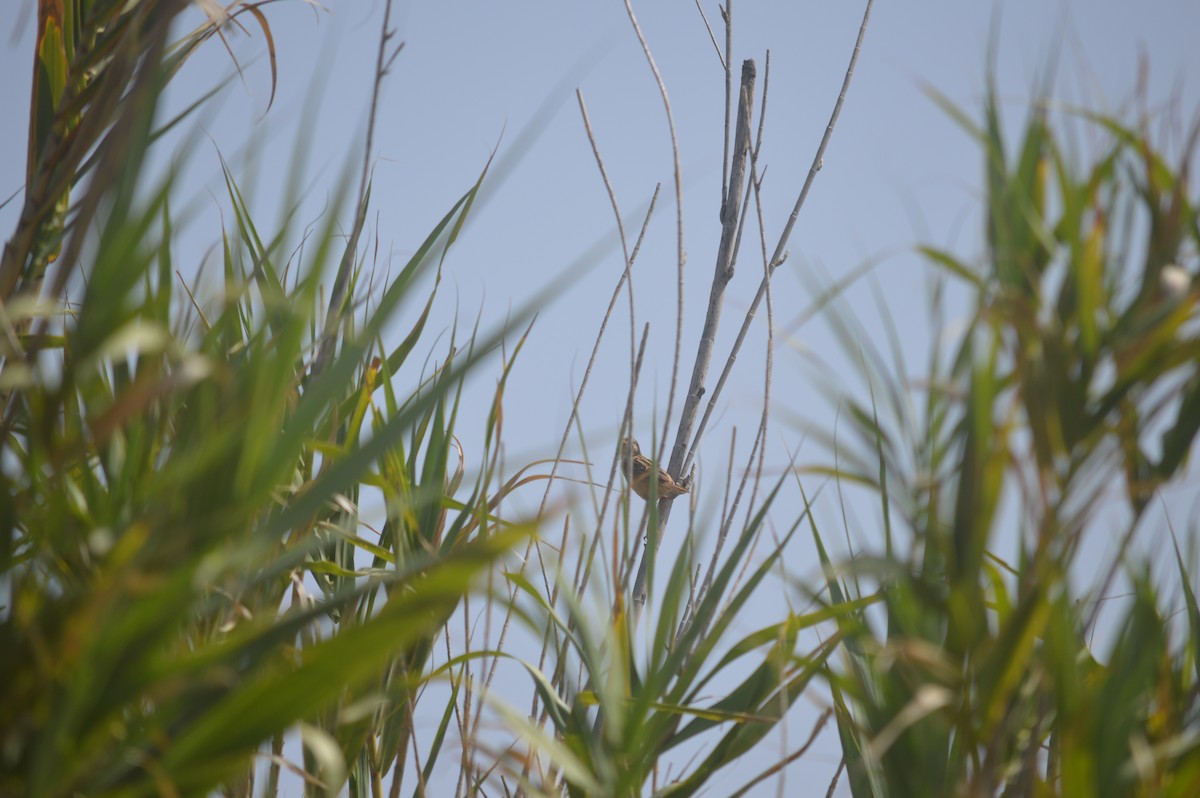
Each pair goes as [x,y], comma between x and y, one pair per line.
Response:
[472,75]
[471,78]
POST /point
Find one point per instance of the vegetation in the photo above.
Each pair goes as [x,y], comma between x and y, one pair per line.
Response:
[1076,392]
[235,526]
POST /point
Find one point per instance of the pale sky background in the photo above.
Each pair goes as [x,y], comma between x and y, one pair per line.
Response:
[472,75]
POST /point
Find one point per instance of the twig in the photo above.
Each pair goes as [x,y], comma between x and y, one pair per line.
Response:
[780,254]
[726,259]
[677,172]
[337,298]
[759,447]
[727,17]
[727,513]
[756,186]
[792,757]
[624,279]
[836,777]
[711,37]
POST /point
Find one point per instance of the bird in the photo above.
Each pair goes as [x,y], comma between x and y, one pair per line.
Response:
[638,469]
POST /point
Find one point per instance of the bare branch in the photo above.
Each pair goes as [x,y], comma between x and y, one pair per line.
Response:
[677,171]
[780,248]
[711,37]
[726,259]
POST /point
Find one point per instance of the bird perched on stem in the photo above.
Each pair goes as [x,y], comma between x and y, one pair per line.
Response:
[639,470]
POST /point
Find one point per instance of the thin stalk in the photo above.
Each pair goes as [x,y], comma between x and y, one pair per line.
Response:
[723,272]
[780,249]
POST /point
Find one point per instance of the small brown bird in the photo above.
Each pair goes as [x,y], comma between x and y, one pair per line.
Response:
[638,469]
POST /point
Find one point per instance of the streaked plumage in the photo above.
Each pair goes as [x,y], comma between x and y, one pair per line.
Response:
[638,468]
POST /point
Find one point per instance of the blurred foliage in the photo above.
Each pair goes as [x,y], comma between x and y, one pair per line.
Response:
[610,715]
[181,488]
[193,592]
[1072,400]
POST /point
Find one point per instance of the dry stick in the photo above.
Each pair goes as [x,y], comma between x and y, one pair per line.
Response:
[760,439]
[337,298]
[761,435]
[779,766]
[836,776]
[727,62]
[416,750]
[779,255]
[462,709]
[612,474]
[677,171]
[625,277]
[580,582]
[712,38]
[580,585]
[759,447]
[630,258]
[1111,574]
[722,274]
[561,645]
[727,512]
[756,184]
